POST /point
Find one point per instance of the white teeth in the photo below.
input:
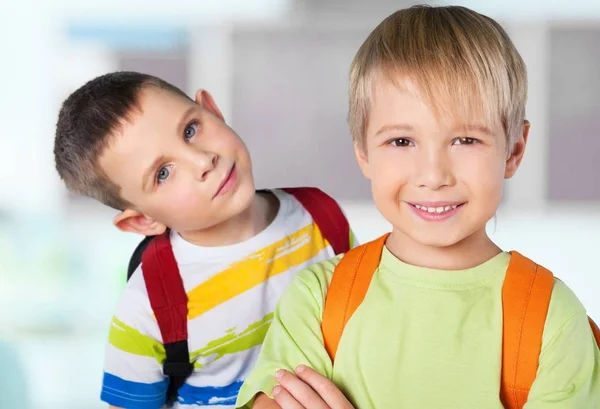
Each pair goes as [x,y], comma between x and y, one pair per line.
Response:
[439,209]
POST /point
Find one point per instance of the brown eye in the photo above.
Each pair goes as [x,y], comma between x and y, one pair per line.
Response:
[401,142]
[465,141]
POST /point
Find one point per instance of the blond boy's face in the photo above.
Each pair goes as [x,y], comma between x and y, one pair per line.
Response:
[179,164]
[435,179]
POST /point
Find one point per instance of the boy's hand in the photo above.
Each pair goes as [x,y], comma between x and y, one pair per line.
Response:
[308,389]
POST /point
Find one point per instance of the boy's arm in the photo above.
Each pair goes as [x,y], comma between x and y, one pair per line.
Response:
[294,337]
[569,370]
[262,401]
[132,368]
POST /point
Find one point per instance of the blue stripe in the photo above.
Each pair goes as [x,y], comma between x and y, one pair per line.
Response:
[209,395]
[133,395]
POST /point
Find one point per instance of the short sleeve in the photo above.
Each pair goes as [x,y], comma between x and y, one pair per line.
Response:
[133,377]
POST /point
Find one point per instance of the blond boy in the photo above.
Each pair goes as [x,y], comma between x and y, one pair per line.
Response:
[437,113]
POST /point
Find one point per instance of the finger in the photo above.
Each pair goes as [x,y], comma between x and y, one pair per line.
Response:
[327,390]
[285,399]
[300,391]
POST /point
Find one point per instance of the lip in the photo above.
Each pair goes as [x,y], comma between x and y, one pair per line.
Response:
[436,204]
[228,182]
[435,217]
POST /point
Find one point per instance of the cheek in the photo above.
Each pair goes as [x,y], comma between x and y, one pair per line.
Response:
[177,202]
[484,176]
[389,175]
[228,140]
[185,195]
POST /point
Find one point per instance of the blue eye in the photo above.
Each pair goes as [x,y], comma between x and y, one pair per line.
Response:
[190,131]
[465,141]
[163,174]
[401,142]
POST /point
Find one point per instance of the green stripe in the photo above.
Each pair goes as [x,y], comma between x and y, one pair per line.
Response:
[129,339]
[233,343]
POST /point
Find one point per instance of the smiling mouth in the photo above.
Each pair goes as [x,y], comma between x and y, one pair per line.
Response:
[227,182]
[437,209]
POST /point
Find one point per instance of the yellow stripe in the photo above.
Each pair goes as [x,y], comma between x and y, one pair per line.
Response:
[275,259]
[129,339]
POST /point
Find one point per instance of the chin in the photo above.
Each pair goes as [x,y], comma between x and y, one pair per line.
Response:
[437,240]
[241,200]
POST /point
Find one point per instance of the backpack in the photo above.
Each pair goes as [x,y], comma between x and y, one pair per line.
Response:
[167,295]
[526,296]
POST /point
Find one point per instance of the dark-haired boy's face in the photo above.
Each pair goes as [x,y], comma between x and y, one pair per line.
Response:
[179,164]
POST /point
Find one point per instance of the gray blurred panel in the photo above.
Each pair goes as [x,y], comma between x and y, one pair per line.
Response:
[574,114]
[170,65]
[290,106]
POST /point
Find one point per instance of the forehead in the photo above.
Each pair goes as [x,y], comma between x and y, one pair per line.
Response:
[156,113]
[404,97]
[158,106]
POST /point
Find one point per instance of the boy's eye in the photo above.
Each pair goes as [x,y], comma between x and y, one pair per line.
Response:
[163,174]
[190,131]
[401,142]
[464,141]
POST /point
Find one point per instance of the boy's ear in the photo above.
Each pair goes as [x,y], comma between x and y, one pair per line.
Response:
[130,220]
[518,150]
[204,99]
[361,158]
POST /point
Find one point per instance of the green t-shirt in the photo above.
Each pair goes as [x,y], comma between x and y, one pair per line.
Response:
[426,338]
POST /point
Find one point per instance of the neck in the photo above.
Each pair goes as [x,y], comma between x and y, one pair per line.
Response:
[470,252]
[245,225]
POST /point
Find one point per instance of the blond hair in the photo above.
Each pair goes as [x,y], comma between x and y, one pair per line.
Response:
[454,56]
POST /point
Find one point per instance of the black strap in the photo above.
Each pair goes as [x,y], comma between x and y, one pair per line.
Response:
[177,367]
[136,257]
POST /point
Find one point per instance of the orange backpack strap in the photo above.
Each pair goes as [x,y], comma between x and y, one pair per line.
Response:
[347,290]
[525,299]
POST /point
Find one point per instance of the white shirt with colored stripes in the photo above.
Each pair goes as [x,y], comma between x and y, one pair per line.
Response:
[232,292]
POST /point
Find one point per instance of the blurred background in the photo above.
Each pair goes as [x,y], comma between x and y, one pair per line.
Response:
[278,70]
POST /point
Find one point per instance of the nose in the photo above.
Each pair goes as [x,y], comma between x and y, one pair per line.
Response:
[202,163]
[434,169]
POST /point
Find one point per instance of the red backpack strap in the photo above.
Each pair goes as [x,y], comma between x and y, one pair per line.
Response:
[349,284]
[525,299]
[327,214]
[169,304]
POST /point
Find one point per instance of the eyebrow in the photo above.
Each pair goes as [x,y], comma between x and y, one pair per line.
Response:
[150,171]
[406,127]
[477,128]
[395,127]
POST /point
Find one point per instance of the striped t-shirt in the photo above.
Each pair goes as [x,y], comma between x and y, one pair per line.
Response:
[232,292]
